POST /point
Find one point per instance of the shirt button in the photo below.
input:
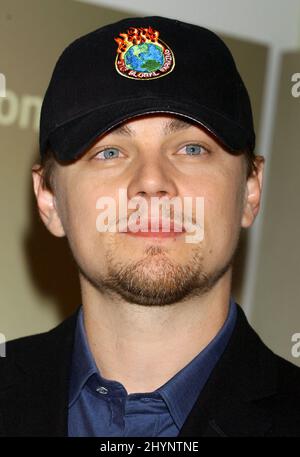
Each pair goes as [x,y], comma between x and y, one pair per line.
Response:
[102,390]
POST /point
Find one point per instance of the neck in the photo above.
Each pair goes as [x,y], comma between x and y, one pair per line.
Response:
[143,347]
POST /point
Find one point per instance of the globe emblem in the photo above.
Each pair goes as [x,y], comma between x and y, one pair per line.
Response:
[145,57]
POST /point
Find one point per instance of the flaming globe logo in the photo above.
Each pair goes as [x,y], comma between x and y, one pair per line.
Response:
[142,55]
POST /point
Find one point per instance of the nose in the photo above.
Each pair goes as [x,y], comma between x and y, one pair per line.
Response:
[152,178]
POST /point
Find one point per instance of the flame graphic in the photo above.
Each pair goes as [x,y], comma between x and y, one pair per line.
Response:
[136,35]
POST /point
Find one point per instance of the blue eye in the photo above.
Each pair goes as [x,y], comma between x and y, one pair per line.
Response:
[109,153]
[194,149]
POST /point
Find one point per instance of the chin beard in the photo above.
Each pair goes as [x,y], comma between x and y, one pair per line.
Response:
[155,280]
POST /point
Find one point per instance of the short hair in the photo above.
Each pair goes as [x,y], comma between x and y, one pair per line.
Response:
[47,168]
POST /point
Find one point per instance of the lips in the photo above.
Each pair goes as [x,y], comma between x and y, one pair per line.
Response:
[159,229]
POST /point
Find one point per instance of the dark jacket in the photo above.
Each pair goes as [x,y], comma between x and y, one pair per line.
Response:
[251,391]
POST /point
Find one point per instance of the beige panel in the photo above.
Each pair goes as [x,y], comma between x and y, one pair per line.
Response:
[38,280]
[251,60]
[277,295]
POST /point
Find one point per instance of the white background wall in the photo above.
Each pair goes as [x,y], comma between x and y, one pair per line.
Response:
[274,22]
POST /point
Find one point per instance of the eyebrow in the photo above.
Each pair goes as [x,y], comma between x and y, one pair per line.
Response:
[172,126]
[175,125]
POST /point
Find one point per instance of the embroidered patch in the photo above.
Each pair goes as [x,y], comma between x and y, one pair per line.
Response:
[142,55]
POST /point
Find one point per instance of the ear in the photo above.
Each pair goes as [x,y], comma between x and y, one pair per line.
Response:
[253,192]
[46,203]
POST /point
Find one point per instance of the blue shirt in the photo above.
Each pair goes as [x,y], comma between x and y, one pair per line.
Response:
[102,407]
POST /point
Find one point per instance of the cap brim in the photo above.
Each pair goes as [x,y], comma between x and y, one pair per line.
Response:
[71,139]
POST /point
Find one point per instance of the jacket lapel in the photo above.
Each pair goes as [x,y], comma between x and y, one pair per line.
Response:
[231,402]
[36,391]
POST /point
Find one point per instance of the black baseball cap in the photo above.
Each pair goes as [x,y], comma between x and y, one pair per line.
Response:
[138,66]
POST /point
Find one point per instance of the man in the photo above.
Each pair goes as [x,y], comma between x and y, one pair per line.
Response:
[155,108]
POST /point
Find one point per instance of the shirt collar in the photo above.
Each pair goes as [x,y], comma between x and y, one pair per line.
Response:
[83,363]
[181,391]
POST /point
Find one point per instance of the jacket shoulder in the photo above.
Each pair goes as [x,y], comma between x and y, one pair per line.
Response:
[284,406]
[26,352]
[288,374]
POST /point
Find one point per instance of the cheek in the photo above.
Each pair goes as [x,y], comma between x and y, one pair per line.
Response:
[222,210]
[80,212]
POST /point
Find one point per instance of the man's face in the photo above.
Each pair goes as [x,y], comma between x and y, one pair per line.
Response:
[153,155]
